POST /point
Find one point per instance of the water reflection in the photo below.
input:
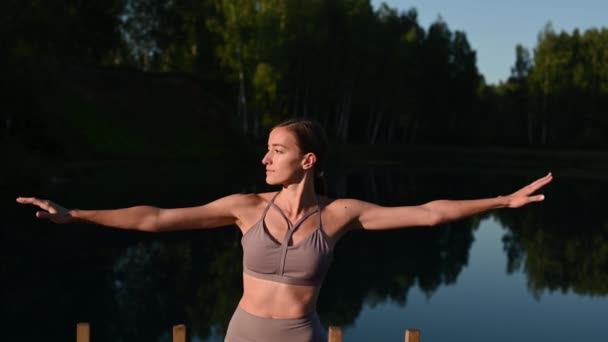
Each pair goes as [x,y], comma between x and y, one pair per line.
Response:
[133,286]
[156,284]
[562,245]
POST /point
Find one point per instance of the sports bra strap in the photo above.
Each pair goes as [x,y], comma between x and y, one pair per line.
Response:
[270,204]
[299,222]
[292,227]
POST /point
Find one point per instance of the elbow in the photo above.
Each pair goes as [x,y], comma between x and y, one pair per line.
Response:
[150,223]
[433,216]
[435,219]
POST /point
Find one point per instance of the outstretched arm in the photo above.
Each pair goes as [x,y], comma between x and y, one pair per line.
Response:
[374,217]
[221,212]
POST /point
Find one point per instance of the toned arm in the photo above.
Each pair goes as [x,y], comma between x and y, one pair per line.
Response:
[371,216]
[222,212]
[374,217]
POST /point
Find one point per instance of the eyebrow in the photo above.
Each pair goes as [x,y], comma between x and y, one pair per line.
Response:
[274,145]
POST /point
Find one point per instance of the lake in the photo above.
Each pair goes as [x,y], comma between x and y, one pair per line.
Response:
[535,274]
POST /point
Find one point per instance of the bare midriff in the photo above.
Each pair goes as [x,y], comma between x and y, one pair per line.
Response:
[270,299]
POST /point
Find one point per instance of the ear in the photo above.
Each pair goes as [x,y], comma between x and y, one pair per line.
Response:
[309,161]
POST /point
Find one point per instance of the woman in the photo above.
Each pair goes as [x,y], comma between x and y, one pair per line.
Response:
[288,235]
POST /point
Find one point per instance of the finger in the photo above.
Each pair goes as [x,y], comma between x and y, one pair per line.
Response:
[547,178]
[43,215]
[25,200]
[43,204]
[537,198]
[539,183]
[543,180]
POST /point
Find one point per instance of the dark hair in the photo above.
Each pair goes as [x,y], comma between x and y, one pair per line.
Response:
[311,138]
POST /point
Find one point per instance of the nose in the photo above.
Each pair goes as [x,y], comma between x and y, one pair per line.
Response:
[266,160]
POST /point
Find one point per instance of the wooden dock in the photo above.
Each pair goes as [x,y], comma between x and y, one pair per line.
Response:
[83,333]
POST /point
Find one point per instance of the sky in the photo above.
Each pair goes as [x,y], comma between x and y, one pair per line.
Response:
[494,28]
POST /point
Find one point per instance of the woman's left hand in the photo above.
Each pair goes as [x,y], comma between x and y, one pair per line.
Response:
[526,194]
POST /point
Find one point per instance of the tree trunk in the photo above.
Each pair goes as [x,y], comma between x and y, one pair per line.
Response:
[370,123]
[343,111]
[390,135]
[242,99]
[296,97]
[374,123]
[530,133]
[305,112]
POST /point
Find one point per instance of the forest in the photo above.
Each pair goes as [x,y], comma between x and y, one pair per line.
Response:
[123,79]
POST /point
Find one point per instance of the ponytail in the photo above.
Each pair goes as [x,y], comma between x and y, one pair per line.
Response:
[320,184]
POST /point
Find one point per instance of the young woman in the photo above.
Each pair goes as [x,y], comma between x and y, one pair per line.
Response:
[288,235]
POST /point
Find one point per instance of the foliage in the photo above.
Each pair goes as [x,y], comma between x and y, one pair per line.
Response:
[561,96]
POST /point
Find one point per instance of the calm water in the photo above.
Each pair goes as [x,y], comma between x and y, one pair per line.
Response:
[534,274]
[487,304]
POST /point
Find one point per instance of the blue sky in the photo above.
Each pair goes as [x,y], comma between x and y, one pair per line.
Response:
[493,28]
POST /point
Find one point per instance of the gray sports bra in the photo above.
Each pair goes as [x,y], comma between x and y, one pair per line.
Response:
[304,263]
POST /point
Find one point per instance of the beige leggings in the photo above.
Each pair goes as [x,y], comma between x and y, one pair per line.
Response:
[245,327]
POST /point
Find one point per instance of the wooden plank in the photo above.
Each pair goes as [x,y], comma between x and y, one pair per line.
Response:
[335,334]
[83,332]
[179,333]
[412,335]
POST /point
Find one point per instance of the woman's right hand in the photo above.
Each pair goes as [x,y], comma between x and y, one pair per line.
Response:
[52,211]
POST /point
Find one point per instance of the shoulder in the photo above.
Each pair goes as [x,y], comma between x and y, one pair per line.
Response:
[344,206]
[342,214]
[248,207]
[251,201]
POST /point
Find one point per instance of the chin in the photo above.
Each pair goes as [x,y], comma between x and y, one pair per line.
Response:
[270,181]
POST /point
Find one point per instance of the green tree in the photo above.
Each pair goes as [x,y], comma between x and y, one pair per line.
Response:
[567,84]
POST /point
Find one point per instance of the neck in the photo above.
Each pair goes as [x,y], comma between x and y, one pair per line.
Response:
[297,198]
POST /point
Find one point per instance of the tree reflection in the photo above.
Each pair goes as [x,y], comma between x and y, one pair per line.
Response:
[373,267]
[563,244]
[157,284]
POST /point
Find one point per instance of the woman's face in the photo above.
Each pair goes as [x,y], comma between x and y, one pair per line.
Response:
[284,161]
